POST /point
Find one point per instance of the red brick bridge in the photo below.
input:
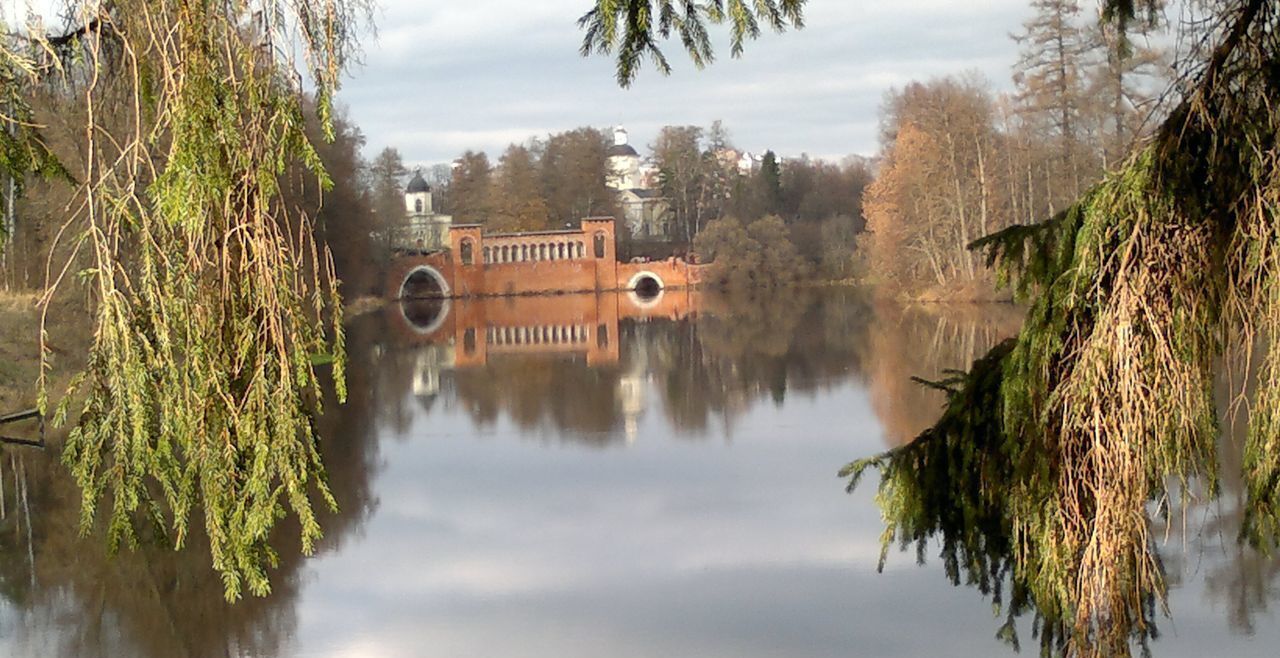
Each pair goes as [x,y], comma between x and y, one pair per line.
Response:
[581,260]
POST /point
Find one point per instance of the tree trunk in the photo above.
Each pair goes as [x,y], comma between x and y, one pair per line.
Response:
[982,186]
[966,263]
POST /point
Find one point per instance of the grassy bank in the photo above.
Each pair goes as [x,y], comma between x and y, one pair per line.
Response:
[19,351]
[69,331]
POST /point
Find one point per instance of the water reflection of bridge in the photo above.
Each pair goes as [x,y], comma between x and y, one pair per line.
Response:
[473,330]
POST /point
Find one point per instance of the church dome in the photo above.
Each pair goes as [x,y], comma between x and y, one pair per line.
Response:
[622,150]
[418,184]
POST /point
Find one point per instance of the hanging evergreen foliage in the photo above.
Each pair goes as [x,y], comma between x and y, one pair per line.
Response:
[1104,402]
[632,30]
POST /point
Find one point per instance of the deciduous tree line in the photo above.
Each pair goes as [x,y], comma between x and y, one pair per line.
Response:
[551,183]
[538,185]
[959,161]
[709,182]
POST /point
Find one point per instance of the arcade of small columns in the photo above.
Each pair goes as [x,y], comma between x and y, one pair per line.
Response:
[542,335]
[529,248]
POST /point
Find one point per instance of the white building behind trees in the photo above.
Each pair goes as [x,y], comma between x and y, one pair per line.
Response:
[646,213]
[425,229]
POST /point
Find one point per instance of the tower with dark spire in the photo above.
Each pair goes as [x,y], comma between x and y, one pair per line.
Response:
[426,230]
[417,196]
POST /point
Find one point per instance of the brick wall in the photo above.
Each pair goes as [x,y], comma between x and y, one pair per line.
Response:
[532,263]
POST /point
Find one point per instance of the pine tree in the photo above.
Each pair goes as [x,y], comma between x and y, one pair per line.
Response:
[471,189]
[386,186]
[630,30]
[1051,82]
[770,177]
[1105,402]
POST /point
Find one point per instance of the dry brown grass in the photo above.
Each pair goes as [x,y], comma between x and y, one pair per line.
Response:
[69,333]
[19,350]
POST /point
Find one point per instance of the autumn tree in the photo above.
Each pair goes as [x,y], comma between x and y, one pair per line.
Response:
[517,194]
[1122,88]
[938,188]
[345,218]
[720,171]
[755,255]
[796,180]
[780,262]
[822,205]
[575,170]
[1103,406]
[1082,95]
[683,173]
[903,246]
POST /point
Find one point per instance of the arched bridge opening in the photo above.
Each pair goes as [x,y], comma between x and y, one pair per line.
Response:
[646,288]
[423,282]
[424,299]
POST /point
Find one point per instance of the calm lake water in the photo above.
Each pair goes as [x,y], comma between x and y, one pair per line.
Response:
[599,476]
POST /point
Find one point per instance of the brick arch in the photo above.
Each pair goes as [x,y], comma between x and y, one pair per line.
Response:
[640,276]
[642,301]
[424,269]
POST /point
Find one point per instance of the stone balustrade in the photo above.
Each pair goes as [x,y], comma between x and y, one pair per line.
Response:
[535,247]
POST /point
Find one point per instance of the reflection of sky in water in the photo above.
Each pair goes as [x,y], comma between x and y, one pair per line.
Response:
[746,547]
[576,534]
[512,547]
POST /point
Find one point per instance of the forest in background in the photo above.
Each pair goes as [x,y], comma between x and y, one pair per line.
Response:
[552,182]
[957,161]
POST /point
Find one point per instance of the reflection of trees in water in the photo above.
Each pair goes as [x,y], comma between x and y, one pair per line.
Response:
[735,351]
[744,348]
[537,391]
[1245,579]
[738,350]
[150,601]
[927,342]
[153,600]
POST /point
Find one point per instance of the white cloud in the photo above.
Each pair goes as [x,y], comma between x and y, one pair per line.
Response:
[445,77]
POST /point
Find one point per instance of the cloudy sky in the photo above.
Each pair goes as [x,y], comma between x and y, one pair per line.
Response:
[442,77]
